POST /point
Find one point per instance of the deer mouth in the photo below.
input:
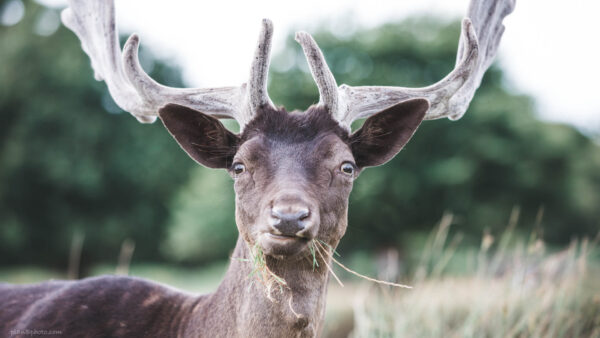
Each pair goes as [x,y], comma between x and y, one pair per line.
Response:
[284,237]
[282,245]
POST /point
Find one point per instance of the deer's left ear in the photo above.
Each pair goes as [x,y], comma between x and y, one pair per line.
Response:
[202,137]
[384,134]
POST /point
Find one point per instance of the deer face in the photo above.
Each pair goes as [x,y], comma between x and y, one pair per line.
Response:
[293,172]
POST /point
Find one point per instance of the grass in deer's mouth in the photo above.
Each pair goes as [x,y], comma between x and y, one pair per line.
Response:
[313,253]
[321,247]
[261,271]
[264,275]
[317,248]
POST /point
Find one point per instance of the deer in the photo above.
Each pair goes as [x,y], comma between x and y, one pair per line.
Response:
[292,174]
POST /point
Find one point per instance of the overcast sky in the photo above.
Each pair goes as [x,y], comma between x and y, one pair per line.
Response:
[550,48]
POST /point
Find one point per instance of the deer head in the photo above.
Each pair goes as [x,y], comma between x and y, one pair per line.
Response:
[293,172]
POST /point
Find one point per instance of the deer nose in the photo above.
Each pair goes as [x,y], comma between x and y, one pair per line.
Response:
[290,220]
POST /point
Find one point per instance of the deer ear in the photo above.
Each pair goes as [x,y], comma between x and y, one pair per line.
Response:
[202,137]
[384,134]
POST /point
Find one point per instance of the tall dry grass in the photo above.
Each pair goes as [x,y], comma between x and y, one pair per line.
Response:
[512,287]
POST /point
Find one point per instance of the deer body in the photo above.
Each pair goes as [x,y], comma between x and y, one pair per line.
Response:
[292,173]
[95,307]
[114,306]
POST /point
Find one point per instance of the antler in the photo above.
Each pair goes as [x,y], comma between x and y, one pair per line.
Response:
[450,97]
[93,21]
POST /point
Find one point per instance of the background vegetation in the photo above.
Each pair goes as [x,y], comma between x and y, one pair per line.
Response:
[74,166]
[70,160]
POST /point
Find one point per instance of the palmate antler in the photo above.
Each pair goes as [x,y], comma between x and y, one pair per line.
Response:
[450,97]
[93,21]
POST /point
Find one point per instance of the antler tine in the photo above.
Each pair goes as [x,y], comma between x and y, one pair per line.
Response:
[225,102]
[326,83]
[487,17]
[257,86]
[93,21]
[450,97]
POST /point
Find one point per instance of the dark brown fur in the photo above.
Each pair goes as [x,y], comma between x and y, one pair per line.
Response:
[293,162]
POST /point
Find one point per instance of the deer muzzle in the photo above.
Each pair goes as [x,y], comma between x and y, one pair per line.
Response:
[292,222]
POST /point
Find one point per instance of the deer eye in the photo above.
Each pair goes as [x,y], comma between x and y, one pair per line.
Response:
[347,168]
[238,168]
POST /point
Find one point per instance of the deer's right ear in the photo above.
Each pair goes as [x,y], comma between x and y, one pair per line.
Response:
[202,137]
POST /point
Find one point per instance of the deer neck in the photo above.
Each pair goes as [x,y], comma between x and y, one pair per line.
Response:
[243,307]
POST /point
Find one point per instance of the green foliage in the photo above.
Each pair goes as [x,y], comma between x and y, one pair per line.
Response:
[66,164]
[202,226]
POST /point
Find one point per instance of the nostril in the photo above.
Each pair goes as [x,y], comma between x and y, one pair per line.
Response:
[274,220]
[304,215]
[275,214]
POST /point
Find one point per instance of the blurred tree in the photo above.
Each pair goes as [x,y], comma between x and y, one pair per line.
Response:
[202,225]
[70,159]
[497,157]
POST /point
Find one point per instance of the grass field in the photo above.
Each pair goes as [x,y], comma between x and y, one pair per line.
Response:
[521,292]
